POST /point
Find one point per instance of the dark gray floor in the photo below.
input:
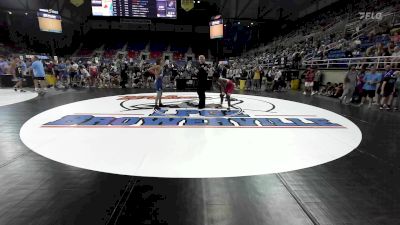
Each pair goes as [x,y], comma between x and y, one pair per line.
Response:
[360,188]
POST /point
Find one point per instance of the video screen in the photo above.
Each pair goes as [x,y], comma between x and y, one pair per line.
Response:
[49,21]
[135,8]
[216,27]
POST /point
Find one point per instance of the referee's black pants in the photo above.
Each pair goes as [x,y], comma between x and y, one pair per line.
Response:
[202,98]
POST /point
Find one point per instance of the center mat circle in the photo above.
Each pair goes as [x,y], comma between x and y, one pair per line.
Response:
[126,135]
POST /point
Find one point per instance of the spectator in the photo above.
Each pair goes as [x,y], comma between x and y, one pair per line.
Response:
[3,65]
[105,79]
[94,74]
[38,75]
[371,81]
[256,78]
[349,85]
[18,74]
[396,37]
[84,76]
[387,73]
[62,73]
[387,91]
[277,82]
[317,82]
[249,78]
[309,80]
[396,59]
[338,91]
[124,74]
[396,100]
[360,84]
[73,73]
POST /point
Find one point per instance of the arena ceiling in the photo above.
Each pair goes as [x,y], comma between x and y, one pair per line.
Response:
[233,9]
[262,9]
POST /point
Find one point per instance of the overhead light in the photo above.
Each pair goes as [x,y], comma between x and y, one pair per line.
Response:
[239,22]
[198,1]
[9,12]
[26,14]
[251,23]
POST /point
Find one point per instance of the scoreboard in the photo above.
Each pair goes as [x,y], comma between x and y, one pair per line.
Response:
[49,21]
[135,8]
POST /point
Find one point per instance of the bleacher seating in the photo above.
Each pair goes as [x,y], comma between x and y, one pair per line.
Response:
[178,56]
[109,54]
[335,54]
[133,54]
[85,52]
[158,47]
[155,55]
[314,42]
[179,48]
[136,46]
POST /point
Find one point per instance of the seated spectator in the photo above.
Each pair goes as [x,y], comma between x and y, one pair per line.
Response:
[391,47]
[4,66]
[137,81]
[324,90]
[105,79]
[338,92]
[84,76]
[379,50]
[396,100]
[396,59]
[331,90]
[396,38]
[371,51]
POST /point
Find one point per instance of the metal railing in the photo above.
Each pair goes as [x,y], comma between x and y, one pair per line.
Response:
[380,61]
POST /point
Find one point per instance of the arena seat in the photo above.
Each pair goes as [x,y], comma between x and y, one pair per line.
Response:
[133,54]
[177,56]
[158,47]
[84,52]
[155,55]
[109,53]
[335,54]
[137,46]
[179,47]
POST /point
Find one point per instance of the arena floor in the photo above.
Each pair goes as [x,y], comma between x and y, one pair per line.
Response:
[358,188]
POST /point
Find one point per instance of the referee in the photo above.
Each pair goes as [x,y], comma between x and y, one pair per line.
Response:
[202,81]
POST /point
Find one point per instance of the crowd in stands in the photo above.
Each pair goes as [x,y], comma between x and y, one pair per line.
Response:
[263,68]
[361,84]
[318,38]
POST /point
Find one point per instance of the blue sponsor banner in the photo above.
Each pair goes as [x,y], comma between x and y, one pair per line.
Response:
[192,118]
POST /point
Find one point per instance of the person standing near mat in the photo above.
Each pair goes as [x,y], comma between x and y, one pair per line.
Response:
[388,90]
[38,75]
[202,81]
[350,82]
[371,81]
[3,65]
[19,74]
[156,70]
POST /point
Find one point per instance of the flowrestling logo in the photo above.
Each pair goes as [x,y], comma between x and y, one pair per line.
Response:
[181,112]
[126,135]
[371,15]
